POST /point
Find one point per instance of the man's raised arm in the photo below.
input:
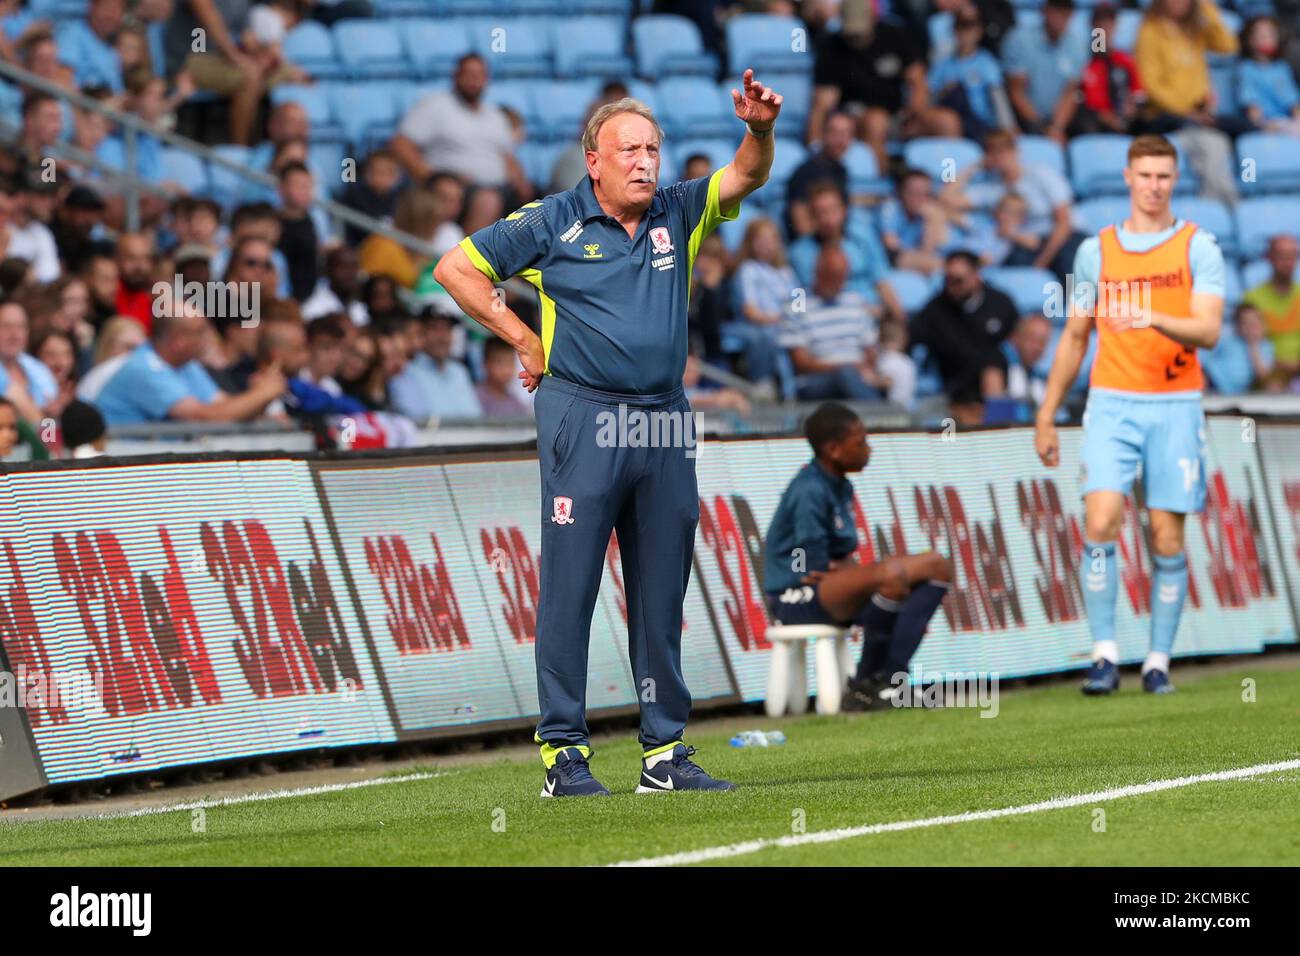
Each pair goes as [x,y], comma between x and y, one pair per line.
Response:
[758,106]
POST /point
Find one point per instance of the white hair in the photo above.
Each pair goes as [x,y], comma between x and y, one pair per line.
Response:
[610,110]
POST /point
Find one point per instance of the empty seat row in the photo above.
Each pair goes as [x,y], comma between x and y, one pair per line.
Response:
[534,46]
[362,114]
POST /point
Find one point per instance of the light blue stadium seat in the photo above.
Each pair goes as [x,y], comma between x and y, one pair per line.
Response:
[370,49]
[690,109]
[1233,290]
[186,169]
[1255,8]
[1224,79]
[518,95]
[1233,23]
[1028,287]
[326,159]
[368,112]
[669,45]
[719,151]
[1189,183]
[1213,216]
[789,156]
[646,92]
[1097,164]
[733,233]
[590,46]
[538,161]
[513,47]
[539,8]
[622,8]
[768,44]
[796,90]
[668,170]
[561,106]
[796,93]
[1043,151]
[943,39]
[69,124]
[395,9]
[928,380]
[771,195]
[1260,218]
[60,10]
[315,100]
[864,173]
[913,289]
[227,186]
[11,102]
[1080,21]
[408,94]
[311,46]
[1126,30]
[861,221]
[472,8]
[1258,271]
[1274,160]
[1093,215]
[432,48]
[936,154]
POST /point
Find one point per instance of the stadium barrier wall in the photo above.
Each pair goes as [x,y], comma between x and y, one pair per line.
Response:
[157,614]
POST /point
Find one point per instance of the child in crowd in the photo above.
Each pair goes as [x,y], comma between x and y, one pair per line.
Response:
[970,81]
[1266,87]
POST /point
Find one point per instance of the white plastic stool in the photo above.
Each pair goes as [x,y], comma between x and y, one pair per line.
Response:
[787,686]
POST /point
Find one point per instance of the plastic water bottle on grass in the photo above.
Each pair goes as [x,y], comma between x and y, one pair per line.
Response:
[758,738]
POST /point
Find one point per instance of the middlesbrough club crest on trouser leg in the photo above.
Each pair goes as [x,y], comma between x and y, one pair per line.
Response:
[563,513]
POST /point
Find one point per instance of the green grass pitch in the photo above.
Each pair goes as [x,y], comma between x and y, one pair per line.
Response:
[843,771]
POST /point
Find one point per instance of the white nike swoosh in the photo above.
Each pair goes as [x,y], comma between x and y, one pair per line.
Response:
[550,786]
[661,784]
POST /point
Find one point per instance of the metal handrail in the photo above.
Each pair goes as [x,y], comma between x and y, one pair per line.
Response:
[133,126]
[9,132]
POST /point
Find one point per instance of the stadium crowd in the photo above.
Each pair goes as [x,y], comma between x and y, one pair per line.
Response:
[868,269]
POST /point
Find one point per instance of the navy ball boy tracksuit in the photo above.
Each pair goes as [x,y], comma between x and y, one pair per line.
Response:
[814,525]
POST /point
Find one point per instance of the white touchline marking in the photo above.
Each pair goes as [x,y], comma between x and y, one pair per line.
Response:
[1056,803]
[278,794]
[249,798]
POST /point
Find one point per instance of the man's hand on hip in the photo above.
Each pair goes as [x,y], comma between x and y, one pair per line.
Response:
[533,358]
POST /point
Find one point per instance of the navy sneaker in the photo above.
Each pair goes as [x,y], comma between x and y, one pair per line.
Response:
[1101,678]
[1156,681]
[873,693]
[571,777]
[673,770]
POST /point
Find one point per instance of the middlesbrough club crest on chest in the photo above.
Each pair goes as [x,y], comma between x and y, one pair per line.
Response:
[662,242]
[661,239]
[563,513]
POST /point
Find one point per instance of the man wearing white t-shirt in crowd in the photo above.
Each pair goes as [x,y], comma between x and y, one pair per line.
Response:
[458,131]
[30,237]
[24,238]
[339,289]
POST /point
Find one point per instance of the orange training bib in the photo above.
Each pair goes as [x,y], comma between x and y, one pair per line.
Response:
[1142,359]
